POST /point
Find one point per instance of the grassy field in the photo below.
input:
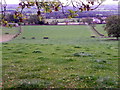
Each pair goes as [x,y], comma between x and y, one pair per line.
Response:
[13,30]
[57,34]
[100,28]
[68,59]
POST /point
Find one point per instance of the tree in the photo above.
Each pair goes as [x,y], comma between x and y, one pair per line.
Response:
[113,26]
[48,6]
[33,19]
[10,18]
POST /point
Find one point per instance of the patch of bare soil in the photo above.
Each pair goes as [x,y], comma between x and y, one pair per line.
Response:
[5,38]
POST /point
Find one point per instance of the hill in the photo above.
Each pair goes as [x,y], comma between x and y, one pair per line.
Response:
[104,10]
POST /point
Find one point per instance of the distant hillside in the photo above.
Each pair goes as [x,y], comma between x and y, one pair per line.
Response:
[106,7]
[12,6]
[104,10]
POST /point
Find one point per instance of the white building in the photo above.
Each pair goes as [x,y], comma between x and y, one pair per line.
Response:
[95,20]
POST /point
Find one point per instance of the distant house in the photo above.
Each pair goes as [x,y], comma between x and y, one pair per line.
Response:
[95,20]
[71,23]
[61,23]
[104,18]
[13,24]
[104,22]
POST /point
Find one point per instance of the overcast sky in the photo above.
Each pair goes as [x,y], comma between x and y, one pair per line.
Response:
[106,2]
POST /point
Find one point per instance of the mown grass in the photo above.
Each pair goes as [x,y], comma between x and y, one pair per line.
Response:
[101,29]
[68,59]
[56,34]
[9,30]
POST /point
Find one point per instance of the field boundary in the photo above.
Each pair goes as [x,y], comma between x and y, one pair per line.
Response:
[6,38]
[97,33]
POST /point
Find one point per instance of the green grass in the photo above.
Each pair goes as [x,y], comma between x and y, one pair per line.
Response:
[68,59]
[100,28]
[56,34]
[13,30]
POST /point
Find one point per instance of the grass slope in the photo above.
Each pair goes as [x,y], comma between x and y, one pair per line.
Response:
[68,59]
[100,28]
[56,34]
[13,30]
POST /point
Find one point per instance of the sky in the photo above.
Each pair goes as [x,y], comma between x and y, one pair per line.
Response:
[106,2]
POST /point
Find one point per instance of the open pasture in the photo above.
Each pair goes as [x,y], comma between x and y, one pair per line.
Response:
[56,34]
[68,58]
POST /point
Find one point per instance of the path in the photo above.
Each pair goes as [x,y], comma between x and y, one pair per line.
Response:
[96,33]
[5,38]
